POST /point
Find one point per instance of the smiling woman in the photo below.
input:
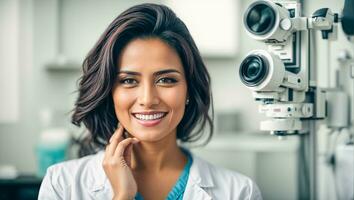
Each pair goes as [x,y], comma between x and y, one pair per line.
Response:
[151,91]
[144,87]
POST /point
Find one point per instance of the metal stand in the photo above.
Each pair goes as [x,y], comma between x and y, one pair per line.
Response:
[312,145]
[307,183]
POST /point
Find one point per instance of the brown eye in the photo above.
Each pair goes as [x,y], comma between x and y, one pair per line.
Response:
[128,81]
[167,80]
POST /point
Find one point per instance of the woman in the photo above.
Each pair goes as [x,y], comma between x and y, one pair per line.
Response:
[146,75]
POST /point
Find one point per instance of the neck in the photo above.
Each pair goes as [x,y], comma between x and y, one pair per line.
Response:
[158,155]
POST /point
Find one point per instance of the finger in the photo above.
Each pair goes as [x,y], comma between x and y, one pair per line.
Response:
[117,133]
[127,154]
[119,152]
[115,140]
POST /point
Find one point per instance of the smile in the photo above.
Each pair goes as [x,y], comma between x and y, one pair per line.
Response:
[150,116]
[149,119]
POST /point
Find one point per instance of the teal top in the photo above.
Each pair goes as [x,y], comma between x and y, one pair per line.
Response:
[178,190]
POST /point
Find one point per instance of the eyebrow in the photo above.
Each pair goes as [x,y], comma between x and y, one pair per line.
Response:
[165,71]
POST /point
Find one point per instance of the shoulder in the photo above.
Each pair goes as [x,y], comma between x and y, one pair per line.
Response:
[66,171]
[74,175]
[224,182]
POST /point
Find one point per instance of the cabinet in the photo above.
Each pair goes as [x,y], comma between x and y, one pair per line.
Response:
[24,187]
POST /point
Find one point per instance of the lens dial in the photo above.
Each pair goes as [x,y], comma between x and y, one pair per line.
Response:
[253,70]
[260,19]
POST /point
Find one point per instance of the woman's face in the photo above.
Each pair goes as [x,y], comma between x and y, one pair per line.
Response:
[151,89]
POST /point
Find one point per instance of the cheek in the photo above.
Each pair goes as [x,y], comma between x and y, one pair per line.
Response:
[122,102]
[176,102]
[174,99]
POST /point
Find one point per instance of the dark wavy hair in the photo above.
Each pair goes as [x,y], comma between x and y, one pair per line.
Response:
[94,106]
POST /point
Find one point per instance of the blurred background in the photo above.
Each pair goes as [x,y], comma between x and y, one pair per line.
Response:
[43,43]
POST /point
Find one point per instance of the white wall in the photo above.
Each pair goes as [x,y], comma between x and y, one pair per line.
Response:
[16,141]
[9,61]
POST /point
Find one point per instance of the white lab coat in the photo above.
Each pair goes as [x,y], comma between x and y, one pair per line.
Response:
[84,178]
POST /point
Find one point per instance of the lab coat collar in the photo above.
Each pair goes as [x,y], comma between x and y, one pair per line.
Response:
[200,173]
[199,178]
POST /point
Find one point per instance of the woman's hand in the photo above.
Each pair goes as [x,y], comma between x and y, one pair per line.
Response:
[116,164]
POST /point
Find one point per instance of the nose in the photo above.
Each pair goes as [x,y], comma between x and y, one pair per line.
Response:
[148,96]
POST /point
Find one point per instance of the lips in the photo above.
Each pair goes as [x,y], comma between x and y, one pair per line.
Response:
[149,119]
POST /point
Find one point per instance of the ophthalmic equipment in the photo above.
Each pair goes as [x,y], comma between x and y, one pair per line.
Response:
[283,78]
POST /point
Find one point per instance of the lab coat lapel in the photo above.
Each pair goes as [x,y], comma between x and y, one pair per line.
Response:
[199,181]
[195,192]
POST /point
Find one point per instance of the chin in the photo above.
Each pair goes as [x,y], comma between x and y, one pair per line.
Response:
[149,136]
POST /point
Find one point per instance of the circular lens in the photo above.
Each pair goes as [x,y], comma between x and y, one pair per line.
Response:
[253,70]
[260,19]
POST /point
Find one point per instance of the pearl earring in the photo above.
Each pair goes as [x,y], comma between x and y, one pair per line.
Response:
[187,102]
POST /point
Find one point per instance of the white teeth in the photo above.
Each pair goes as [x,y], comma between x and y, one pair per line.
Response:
[149,117]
